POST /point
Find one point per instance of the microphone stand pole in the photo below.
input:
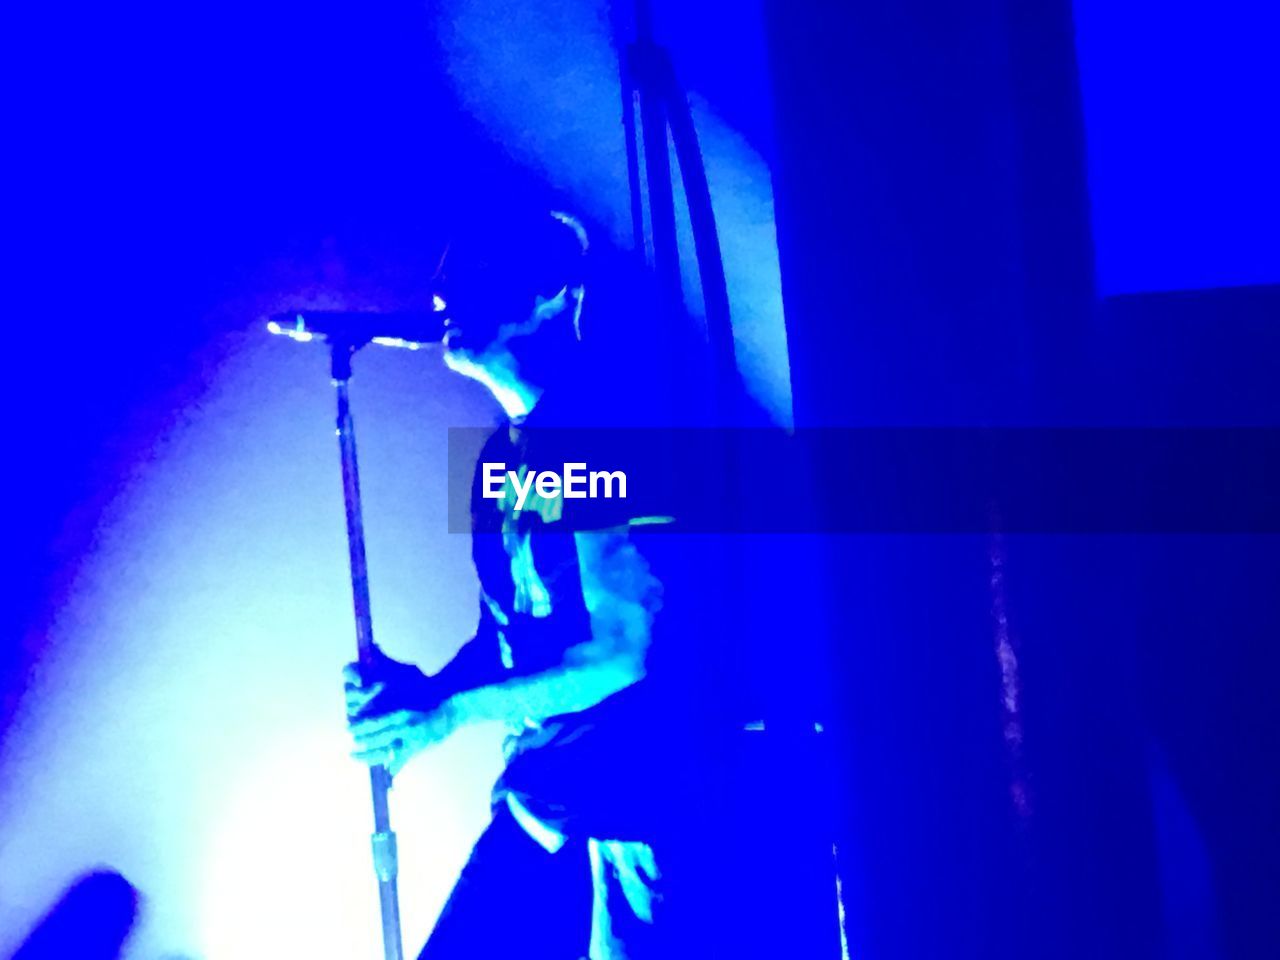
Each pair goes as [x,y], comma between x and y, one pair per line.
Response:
[384,839]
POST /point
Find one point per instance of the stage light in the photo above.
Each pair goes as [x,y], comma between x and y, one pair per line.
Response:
[184,723]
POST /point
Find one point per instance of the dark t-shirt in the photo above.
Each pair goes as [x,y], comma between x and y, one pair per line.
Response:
[527,560]
[616,769]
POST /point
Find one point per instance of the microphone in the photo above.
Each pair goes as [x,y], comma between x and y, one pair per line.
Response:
[411,330]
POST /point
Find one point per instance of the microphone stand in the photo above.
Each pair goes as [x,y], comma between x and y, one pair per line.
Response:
[384,839]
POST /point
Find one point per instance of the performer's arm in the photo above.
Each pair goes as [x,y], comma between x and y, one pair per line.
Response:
[477,661]
[621,595]
[386,686]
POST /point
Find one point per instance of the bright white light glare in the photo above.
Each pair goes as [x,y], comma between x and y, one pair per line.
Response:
[397,342]
[298,332]
[437,303]
[297,810]
[189,693]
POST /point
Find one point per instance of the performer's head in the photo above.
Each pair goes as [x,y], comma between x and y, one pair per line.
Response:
[512,300]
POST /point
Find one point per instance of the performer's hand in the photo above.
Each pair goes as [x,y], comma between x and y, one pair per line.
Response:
[394,712]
